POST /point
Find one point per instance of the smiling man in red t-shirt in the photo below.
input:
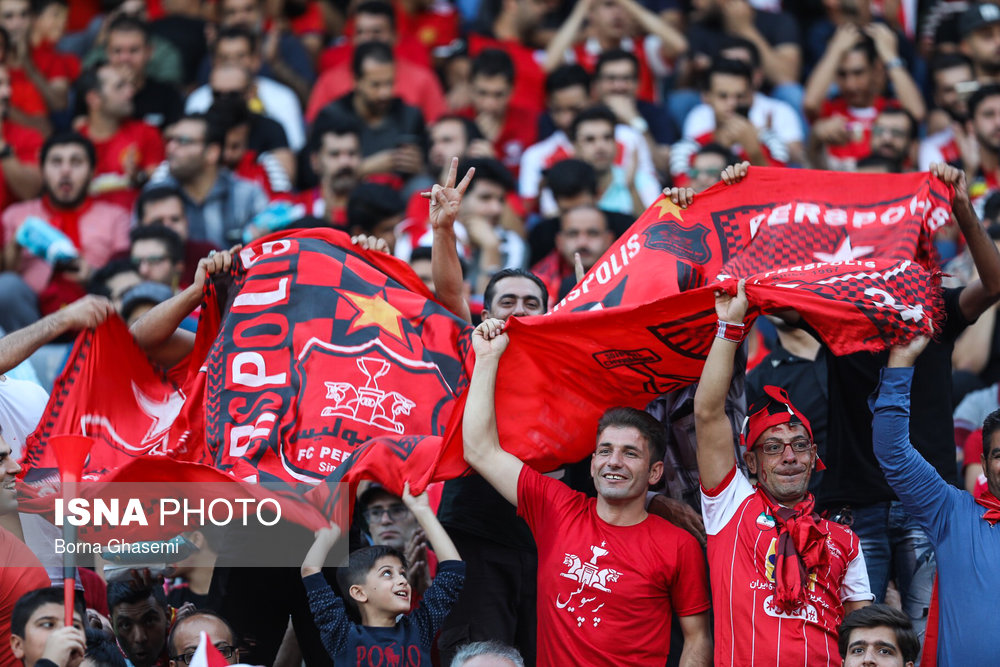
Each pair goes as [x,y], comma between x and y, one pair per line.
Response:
[610,576]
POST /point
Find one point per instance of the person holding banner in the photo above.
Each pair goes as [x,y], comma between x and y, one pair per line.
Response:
[775,566]
[602,563]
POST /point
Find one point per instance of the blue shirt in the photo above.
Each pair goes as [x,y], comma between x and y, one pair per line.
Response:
[967,546]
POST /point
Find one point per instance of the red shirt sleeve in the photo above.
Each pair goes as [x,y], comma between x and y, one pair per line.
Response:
[689,592]
[973,448]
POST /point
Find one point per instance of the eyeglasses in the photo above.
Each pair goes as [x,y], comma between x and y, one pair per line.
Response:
[396,512]
[695,173]
[183,140]
[774,447]
[226,650]
[155,259]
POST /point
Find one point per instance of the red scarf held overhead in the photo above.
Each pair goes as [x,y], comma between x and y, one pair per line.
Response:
[992,505]
[801,549]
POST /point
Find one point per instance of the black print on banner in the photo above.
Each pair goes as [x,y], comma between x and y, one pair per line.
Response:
[687,243]
[640,361]
[686,336]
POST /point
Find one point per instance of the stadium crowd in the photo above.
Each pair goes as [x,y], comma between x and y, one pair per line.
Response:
[500,147]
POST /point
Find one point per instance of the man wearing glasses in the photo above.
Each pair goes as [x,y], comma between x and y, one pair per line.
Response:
[390,523]
[186,634]
[774,564]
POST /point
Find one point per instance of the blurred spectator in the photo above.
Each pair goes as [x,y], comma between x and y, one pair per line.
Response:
[951,79]
[128,150]
[238,46]
[375,210]
[164,205]
[19,147]
[842,125]
[894,137]
[979,30]
[335,155]
[583,230]
[158,254]
[96,229]
[393,135]
[766,112]
[113,280]
[609,23]
[265,168]
[415,84]
[142,298]
[616,81]
[707,166]
[509,127]
[283,56]
[124,40]
[217,203]
[983,165]
[182,23]
[730,94]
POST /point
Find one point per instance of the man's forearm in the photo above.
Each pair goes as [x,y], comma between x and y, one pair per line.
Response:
[697,652]
[479,424]
[446,269]
[981,247]
[156,326]
[17,346]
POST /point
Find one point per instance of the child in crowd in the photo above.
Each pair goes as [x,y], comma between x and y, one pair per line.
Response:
[376,591]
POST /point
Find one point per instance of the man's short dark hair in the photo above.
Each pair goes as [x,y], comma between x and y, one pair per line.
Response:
[172,650]
[598,112]
[98,283]
[647,425]
[69,138]
[981,95]
[472,131]
[126,591]
[155,195]
[727,42]
[421,253]
[102,650]
[491,287]
[730,67]
[229,112]
[374,51]
[171,241]
[236,32]
[126,23]
[720,150]
[377,8]
[215,132]
[370,204]
[493,62]
[990,426]
[571,177]
[30,602]
[331,121]
[613,56]
[942,61]
[877,162]
[359,564]
[566,76]
[488,169]
[866,46]
[881,615]
[89,81]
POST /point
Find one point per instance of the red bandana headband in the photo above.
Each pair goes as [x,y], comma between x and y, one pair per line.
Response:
[772,409]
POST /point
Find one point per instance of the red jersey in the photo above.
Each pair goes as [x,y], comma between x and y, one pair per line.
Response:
[26,144]
[587,52]
[16,579]
[136,146]
[407,48]
[529,76]
[749,629]
[606,592]
[844,157]
[52,65]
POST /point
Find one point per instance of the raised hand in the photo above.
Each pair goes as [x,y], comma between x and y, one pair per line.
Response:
[217,261]
[489,338]
[954,177]
[86,313]
[683,197]
[446,199]
[905,355]
[735,173]
[729,308]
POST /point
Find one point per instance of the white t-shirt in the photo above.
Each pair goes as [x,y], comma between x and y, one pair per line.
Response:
[22,404]
[765,113]
[280,104]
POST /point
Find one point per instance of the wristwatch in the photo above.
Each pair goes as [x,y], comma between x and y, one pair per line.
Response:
[639,124]
[895,62]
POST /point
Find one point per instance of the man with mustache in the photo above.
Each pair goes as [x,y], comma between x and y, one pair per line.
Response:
[583,230]
[97,229]
[335,156]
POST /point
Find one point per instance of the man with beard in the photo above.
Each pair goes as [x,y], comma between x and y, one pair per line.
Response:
[583,231]
[984,163]
[949,73]
[860,60]
[128,150]
[604,562]
[217,203]
[98,230]
[335,156]
[163,205]
[393,135]
[894,136]
[979,27]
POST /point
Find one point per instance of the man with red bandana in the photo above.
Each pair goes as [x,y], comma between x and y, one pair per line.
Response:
[782,578]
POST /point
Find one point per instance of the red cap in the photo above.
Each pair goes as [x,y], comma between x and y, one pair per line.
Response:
[771,409]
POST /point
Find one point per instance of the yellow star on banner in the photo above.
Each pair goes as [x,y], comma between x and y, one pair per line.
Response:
[374,310]
[666,206]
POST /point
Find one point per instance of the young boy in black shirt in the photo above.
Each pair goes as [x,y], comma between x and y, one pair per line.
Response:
[374,585]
